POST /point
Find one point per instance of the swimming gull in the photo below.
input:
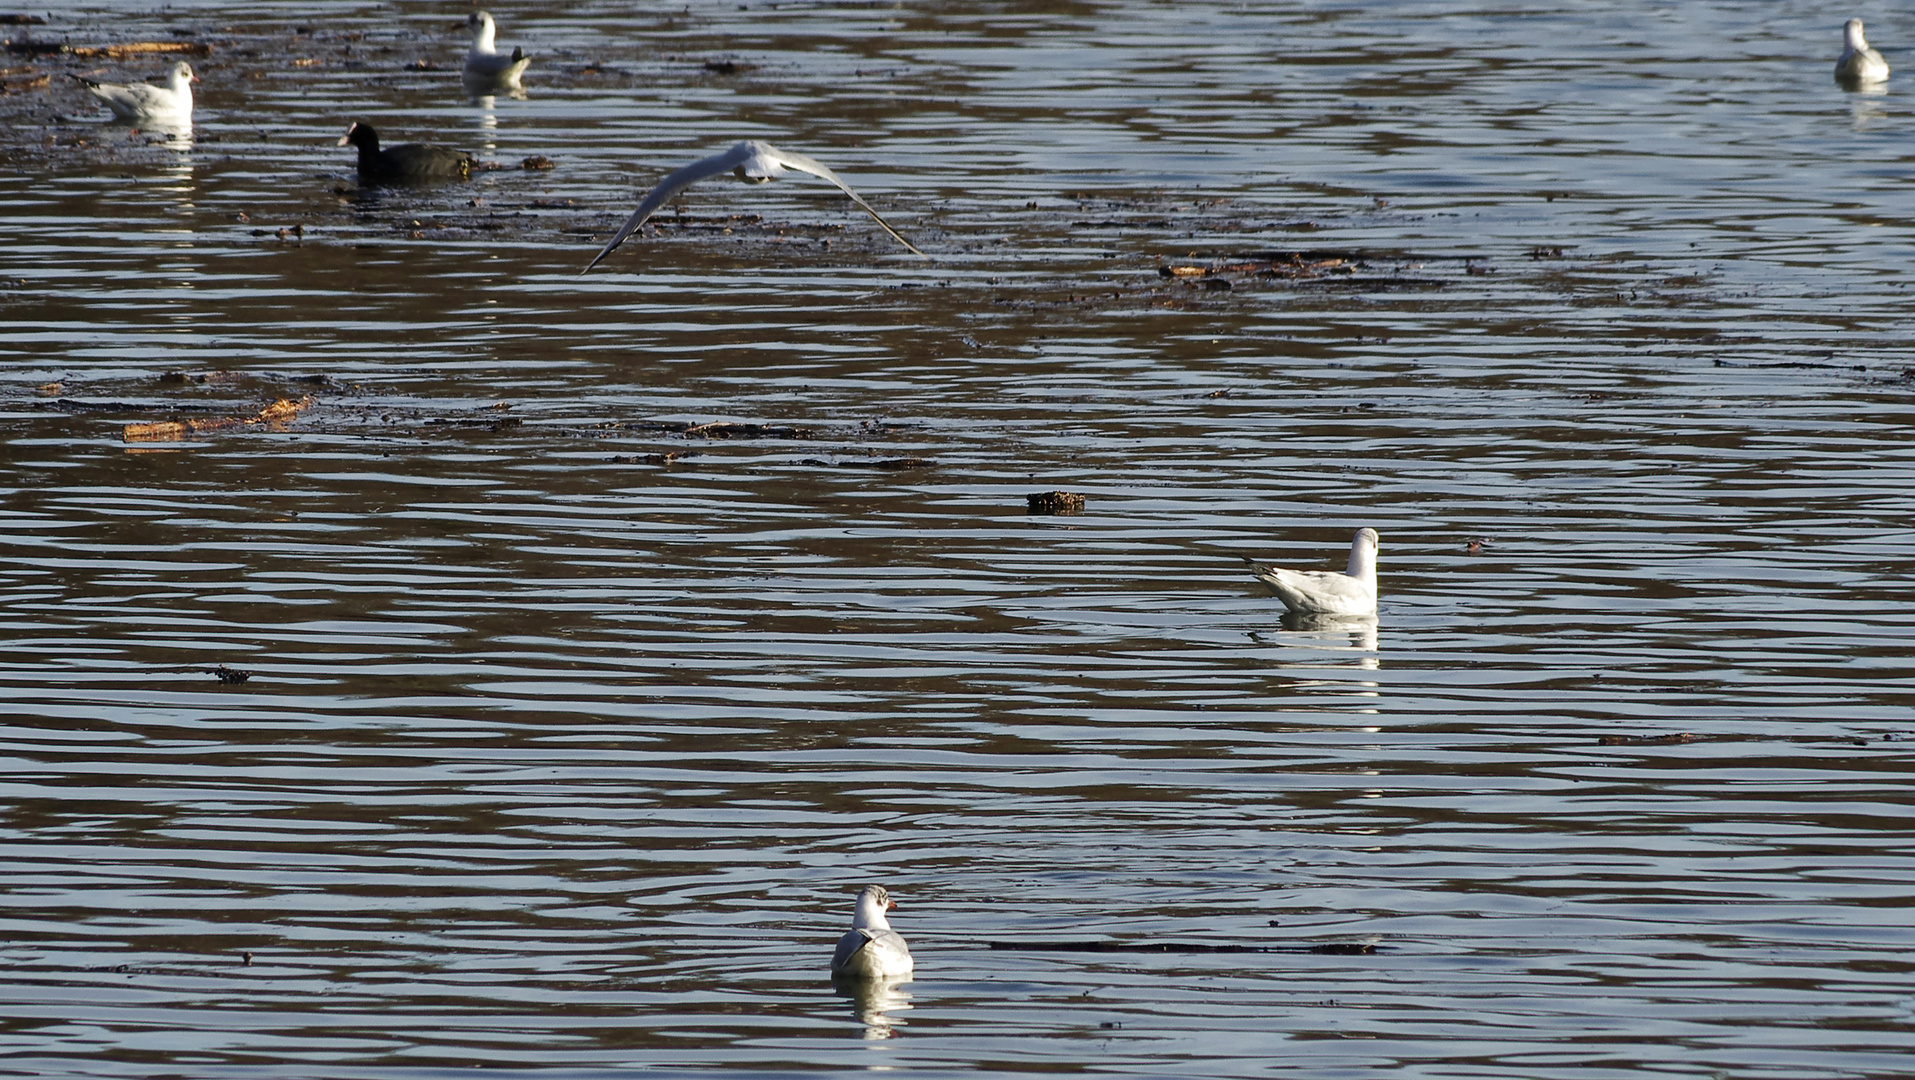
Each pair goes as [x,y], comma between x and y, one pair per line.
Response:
[1328,592]
[485,66]
[753,162]
[871,949]
[144,103]
[1859,63]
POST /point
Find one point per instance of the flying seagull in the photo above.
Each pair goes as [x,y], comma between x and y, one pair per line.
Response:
[753,162]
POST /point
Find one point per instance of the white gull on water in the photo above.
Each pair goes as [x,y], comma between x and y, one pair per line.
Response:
[753,162]
[144,103]
[1328,592]
[871,949]
[485,66]
[1859,63]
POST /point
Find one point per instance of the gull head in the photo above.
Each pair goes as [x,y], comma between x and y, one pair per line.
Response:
[873,902]
[483,30]
[1852,35]
[182,75]
[1363,553]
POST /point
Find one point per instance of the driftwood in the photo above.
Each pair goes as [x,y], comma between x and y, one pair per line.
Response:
[726,429]
[110,52]
[1294,265]
[279,413]
[897,464]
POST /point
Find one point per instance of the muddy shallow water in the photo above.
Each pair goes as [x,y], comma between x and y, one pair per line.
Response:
[536,688]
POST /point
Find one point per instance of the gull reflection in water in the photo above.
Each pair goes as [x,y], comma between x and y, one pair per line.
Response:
[481,92]
[1350,641]
[176,175]
[488,117]
[873,1001]
[1355,632]
[1865,106]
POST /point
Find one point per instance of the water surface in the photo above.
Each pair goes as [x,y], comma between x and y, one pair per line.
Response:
[569,729]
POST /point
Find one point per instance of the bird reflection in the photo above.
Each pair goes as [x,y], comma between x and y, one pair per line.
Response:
[178,134]
[1865,106]
[1359,631]
[176,175]
[1325,638]
[488,119]
[873,1001]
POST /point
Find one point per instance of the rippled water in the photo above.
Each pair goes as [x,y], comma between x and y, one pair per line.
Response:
[569,734]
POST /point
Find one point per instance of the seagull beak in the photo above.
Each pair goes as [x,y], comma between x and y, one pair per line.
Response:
[890,905]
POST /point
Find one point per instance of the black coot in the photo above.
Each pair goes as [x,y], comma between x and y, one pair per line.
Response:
[407,163]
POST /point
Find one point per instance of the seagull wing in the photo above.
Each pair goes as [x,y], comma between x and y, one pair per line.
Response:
[672,185]
[134,99]
[817,168]
[849,945]
[1316,591]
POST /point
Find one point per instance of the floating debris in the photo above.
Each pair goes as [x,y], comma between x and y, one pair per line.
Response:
[277,415]
[724,429]
[230,676]
[536,162]
[1295,264]
[1646,740]
[201,378]
[1055,502]
[110,52]
[11,85]
[892,464]
[653,459]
